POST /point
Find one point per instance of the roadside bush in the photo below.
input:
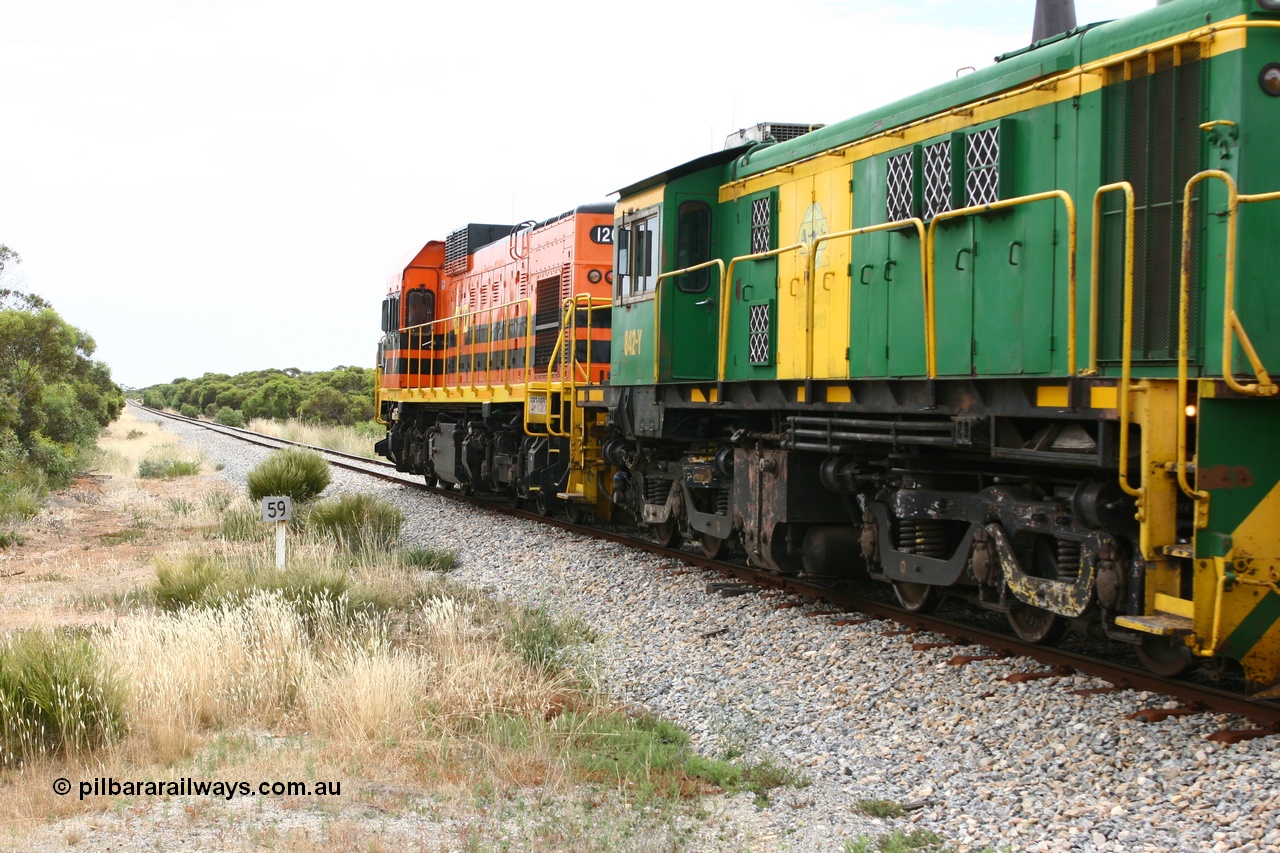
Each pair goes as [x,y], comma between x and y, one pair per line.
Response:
[189,411]
[22,488]
[357,522]
[202,580]
[228,416]
[295,472]
[163,466]
[428,559]
[55,698]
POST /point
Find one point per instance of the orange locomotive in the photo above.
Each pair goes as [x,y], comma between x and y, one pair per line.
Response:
[486,338]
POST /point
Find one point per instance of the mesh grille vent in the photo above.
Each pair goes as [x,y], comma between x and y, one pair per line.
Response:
[455,252]
[937,179]
[758,337]
[982,167]
[900,183]
[760,222]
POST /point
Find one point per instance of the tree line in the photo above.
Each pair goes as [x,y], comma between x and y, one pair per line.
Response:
[343,395]
[54,397]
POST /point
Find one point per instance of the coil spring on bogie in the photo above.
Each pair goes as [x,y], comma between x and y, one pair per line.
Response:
[1068,560]
[656,491]
[925,537]
[722,501]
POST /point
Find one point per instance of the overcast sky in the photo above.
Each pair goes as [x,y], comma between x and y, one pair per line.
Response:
[223,186]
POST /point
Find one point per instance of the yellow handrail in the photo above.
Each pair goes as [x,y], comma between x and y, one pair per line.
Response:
[462,326]
[811,271]
[1231,326]
[724,299]
[1126,344]
[568,328]
[657,302]
[1070,205]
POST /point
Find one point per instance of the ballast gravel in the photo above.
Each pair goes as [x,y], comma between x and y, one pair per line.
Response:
[854,711]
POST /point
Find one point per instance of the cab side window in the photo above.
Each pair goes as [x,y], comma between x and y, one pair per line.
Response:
[420,307]
[693,245]
[636,262]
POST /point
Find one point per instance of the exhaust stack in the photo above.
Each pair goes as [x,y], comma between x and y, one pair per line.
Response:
[1053,17]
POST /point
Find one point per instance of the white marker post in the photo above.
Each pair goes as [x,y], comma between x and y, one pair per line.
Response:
[279,509]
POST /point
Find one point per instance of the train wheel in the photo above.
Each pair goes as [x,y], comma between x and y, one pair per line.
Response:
[514,498]
[1165,656]
[1035,625]
[432,481]
[713,547]
[545,503]
[917,597]
[576,513]
[666,534]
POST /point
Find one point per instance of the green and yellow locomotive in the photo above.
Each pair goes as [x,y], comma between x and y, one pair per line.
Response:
[1006,340]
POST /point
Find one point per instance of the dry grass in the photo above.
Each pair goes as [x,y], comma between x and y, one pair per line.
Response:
[356,667]
[340,438]
[124,444]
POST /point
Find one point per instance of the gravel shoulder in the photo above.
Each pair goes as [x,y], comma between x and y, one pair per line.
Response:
[856,712]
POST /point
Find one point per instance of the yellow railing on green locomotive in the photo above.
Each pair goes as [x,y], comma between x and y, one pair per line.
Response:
[1069,204]
[811,274]
[657,302]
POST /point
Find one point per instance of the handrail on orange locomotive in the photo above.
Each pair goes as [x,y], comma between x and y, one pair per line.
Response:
[462,326]
[568,366]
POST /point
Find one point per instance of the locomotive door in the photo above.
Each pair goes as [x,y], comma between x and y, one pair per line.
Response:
[1013,286]
[886,290]
[953,297]
[691,302]
[868,305]
[994,292]
[753,293]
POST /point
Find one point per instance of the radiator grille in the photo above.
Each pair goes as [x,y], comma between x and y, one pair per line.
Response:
[937,178]
[758,334]
[455,252]
[982,167]
[900,187]
[761,220]
[1151,139]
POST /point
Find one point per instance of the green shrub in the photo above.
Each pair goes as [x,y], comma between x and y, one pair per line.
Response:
[428,559]
[55,698]
[541,639]
[165,467]
[294,472]
[242,524]
[880,808]
[201,580]
[652,758]
[189,411]
[186,582]
[9,538]
[228,416]
[22,489]
[358,522]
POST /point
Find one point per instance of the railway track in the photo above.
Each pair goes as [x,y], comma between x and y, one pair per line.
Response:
[845,604]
